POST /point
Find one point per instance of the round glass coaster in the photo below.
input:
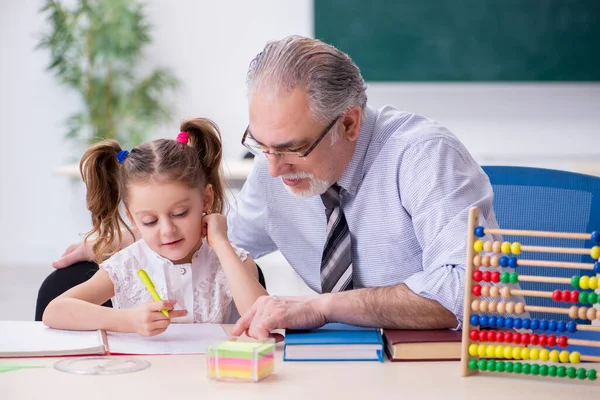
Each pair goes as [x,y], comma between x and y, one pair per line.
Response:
[101,365]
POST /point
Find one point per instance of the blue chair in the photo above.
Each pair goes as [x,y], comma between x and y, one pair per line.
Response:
[546,200]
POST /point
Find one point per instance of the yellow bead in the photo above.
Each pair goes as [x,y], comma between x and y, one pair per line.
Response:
[563,356]
[525,353]
[505,247]
[574,357]
[478,246]
[515,248]
[544,355]
[516,353]
[595,252]
[499,352]
[508,352]
[473,349]
[554,356]
[490,351]
[534,354]
[584,282]
[482,350]
[593,283]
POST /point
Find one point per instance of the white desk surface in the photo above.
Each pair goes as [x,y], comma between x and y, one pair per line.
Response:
[184,377]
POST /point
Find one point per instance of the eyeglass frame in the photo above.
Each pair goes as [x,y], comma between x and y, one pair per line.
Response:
[283,153]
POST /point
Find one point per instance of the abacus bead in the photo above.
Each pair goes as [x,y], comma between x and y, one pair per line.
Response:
[574,296]
[561,326]
[495,276]
[513,277]
[565,295]
[517,323]
[475,305]
[505,292]
[563,341]
[482,335]
[553,356]
[534,339]
[519,308]
[595,252]
[525,353]
[583,297]
[494,261]
[492,307]
[484,320]
[508,323]
[572,372]
[581,373]
[483,306]
[572,326]
[486,276]
[518,368]
[591,374]
[492,322]
[597,268]
[473,364]
[595,237]
[552,370]
[500,366]
[504,278]
[508,337]
[526,369]
[494,291]
[508,352]
[505,248]
[525,338]
[487,246]
[591,313]
[535,369]
[500,320]
[543,370]
[575,357]
[512,262]
[503,261]
[476,290]
[490,351]
[515,248]
[517,338]
[484,291]
[552,325]
[544,355]
[543,340]
[526,323]
[491,365]
[510,307]
[534,353]
[481,350]
[535,324]
[563,356]
[575,282]
[582,312]
[473,349]
[556,295]
[561,371]
[573,312]
[477,275]
[485,261]
[593,283]
[477,261]
[499,337]
[474,320]
[551,341]
[592,298]
[499,352]
[474,334]
[584,282]
[496,247]
[478,246]
[509,366]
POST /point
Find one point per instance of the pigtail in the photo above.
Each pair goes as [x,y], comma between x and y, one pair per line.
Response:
[204,136]
[99,169]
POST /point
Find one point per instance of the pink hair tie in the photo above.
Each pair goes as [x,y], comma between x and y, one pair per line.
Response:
[183,137]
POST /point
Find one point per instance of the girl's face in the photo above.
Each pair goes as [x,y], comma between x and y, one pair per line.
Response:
[169,217]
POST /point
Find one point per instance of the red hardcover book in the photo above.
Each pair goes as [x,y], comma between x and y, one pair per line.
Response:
[423,345]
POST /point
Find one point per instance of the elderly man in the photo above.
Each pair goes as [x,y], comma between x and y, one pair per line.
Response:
[369,206]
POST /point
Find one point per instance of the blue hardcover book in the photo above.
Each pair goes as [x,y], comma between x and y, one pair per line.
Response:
[334,342]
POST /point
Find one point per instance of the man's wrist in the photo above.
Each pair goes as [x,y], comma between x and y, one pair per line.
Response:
[324,305]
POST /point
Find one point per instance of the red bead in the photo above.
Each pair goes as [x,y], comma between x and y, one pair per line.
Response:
[517,338]
[574,296]
[535,339]
[491,336]
[525,338]
[565,295]
[476,290]
[474,335]
[508,337]
[563,341]
[551,340]
[495,276]
[477,275]
[482,336]
[499,337]
[556,296]
[486,276]
[543,340]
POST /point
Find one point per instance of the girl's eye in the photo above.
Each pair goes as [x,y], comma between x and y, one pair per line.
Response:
[149,223]
[181,214]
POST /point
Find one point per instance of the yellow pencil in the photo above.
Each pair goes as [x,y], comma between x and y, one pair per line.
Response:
[150,286]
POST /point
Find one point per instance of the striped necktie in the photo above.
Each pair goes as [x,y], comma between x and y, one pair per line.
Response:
[336,264]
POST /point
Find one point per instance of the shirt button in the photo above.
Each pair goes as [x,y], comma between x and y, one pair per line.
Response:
[182,270]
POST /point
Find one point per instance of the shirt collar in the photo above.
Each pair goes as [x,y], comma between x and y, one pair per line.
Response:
[353,174]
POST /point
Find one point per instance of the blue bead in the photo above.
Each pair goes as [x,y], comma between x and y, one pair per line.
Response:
[544,324]
[597,268]
[572,326]
[553,325]
[492,322]
[484,320]
[479,231]
[535,323]
[517,323]
[500,322]
[508,323]
[595,237]
[512,262]
[526,323]
[504,261]
[475,320]
[562,326]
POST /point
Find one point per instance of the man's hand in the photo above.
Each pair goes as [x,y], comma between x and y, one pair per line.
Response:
[75,253]
[271,312]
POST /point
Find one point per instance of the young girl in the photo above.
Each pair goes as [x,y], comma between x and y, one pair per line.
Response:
[173,195]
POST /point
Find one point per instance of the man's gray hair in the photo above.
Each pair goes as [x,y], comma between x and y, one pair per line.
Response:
[329,77]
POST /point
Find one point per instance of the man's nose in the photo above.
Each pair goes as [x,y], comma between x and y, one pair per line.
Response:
[277,165]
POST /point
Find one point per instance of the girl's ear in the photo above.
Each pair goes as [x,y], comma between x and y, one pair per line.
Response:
[209,198]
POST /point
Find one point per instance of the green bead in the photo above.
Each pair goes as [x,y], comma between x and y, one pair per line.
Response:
[514,277]
[500,366]
[491,366]
[581,373]
[561,371]
[473,364]
[509,366]
[526,369]
[592,297]
[543,370]
[535,369]
[591,374]
[518,368]
[572,372]
[482,364]
[583,297]
[552,370]
[504,277]
[575,282]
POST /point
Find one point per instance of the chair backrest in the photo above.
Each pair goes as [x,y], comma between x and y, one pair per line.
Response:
[546,200]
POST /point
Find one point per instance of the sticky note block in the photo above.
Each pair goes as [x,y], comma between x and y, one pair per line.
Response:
[240,360]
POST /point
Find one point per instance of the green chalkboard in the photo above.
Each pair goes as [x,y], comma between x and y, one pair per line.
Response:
[465,40]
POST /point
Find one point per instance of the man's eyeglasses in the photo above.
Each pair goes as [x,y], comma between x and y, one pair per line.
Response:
[256,148]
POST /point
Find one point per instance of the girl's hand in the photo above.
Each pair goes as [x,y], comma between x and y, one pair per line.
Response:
[214,227]
[148,320]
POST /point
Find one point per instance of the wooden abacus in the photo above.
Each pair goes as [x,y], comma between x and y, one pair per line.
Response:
[478,354]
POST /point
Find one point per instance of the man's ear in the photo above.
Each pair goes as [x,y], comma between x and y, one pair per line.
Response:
[351,121]
[209,198]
